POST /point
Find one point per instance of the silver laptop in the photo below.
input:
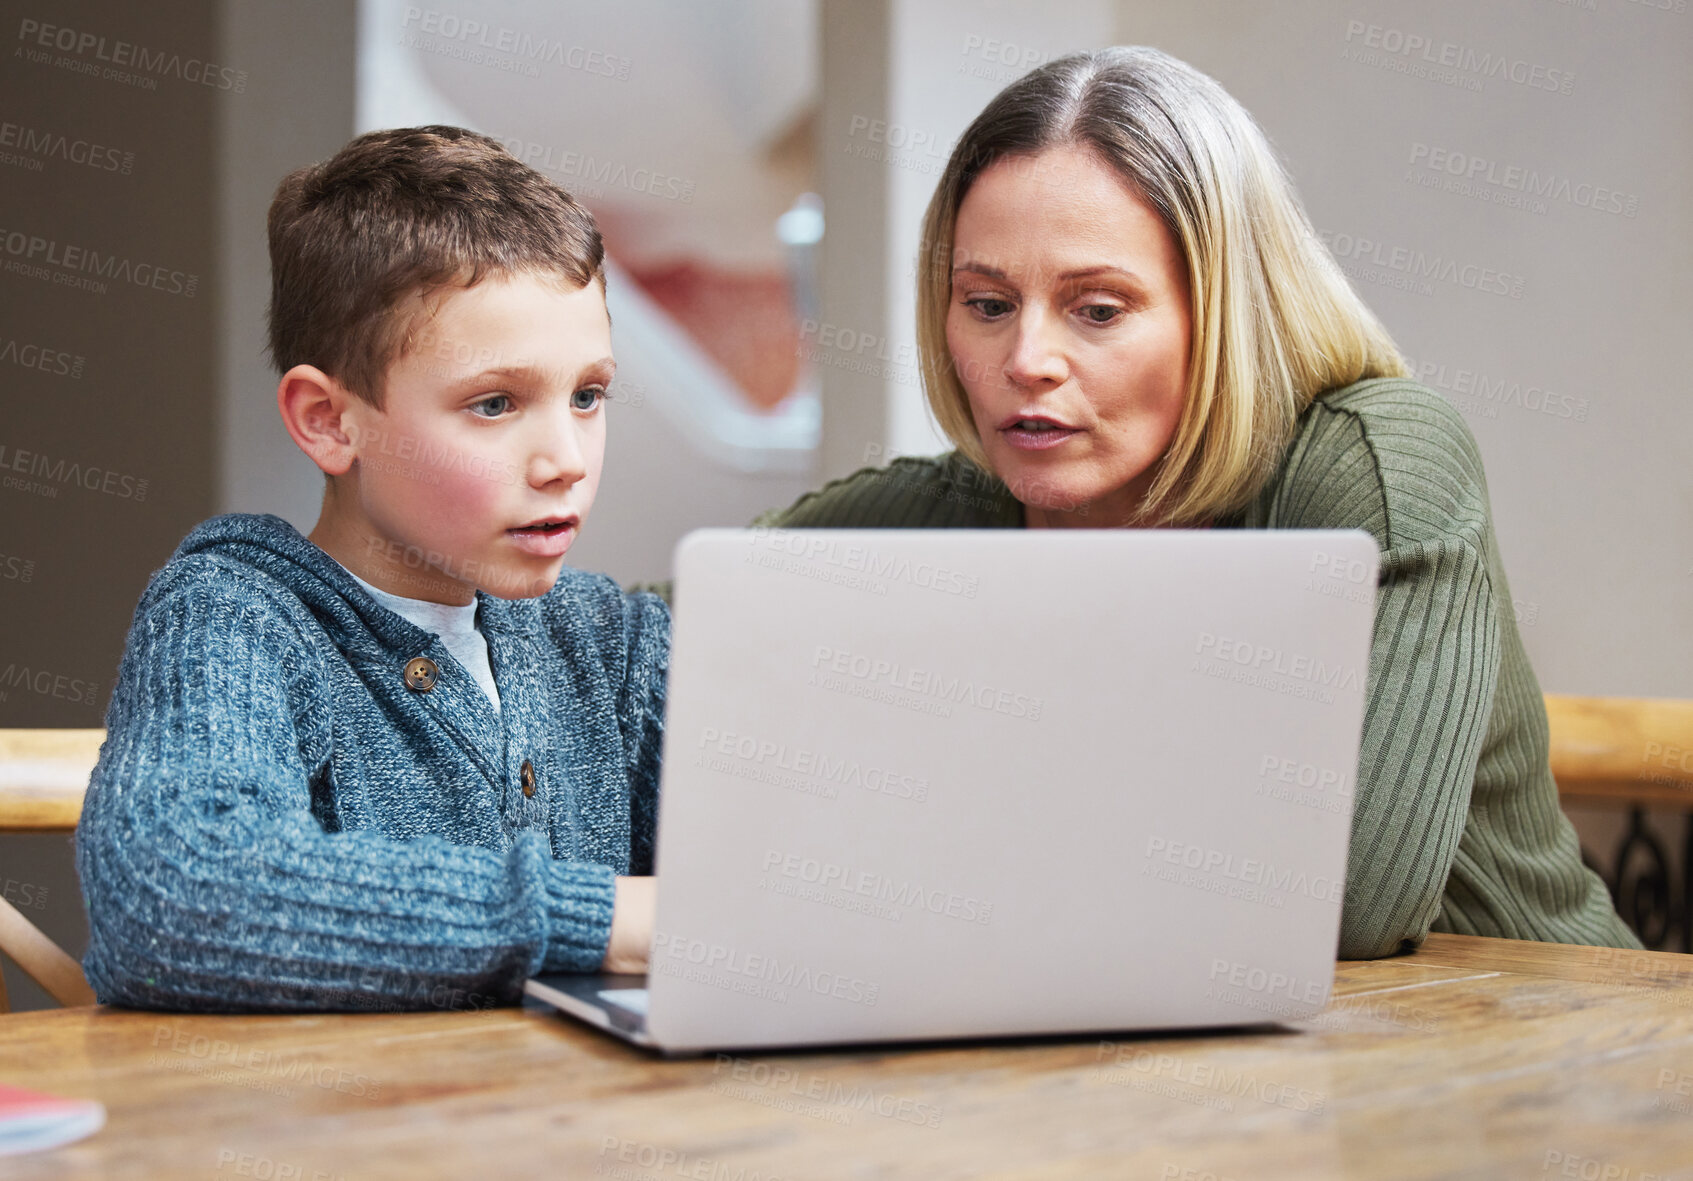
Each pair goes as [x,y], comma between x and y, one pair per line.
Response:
[945,784]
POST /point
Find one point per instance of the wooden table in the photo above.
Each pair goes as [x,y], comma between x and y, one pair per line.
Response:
[1474,1058]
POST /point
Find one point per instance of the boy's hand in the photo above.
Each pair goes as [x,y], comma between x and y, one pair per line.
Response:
[631,925]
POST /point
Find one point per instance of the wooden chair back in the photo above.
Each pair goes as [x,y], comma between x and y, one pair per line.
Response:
[1622,752]
[43,775]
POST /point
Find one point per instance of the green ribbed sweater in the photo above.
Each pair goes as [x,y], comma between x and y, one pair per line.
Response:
[1456,825]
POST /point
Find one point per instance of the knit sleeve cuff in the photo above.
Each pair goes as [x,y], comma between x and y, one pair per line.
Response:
[580,896]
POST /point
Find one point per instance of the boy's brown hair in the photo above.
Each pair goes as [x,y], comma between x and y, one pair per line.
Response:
[401,212]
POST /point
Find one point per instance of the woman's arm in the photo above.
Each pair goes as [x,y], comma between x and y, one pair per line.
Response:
[915,492]
[1393,459]
[211,885]
[1434,664]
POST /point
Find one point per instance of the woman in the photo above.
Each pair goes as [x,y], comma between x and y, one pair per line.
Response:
[1125,319]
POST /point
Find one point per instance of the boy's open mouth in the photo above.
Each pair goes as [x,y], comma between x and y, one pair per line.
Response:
[545,537]
[547,526]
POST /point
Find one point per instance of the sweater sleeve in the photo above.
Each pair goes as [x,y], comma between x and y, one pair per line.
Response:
[210,884]
[1407,471]
[1434,665]
[912,492]
[640,711]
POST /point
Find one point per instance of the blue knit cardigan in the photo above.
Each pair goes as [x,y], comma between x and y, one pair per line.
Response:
[278,821]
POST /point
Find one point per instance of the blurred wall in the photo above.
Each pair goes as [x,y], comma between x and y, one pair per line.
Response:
[108,357]
[302,112]
[1527,243]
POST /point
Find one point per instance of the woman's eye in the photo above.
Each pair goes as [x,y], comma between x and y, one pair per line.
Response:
[587,399]
[492,407]
[988,307]
[1101,313]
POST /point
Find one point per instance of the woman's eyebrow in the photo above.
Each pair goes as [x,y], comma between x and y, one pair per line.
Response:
[991,272]
[1090,272]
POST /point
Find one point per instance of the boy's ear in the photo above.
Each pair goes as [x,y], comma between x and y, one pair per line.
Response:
[315,409]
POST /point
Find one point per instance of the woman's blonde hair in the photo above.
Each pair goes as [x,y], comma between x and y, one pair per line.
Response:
[1274,321]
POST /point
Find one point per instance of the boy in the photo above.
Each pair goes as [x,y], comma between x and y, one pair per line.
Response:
[403,763]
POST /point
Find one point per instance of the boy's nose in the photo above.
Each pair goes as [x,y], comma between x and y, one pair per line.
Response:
[558,457]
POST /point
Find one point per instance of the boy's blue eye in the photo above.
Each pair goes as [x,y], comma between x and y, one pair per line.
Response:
[587,399]
[500,403]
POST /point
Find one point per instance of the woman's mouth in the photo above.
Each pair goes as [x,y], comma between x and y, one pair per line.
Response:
[1035,433]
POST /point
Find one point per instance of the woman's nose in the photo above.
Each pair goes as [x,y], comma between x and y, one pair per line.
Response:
[1037,356]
